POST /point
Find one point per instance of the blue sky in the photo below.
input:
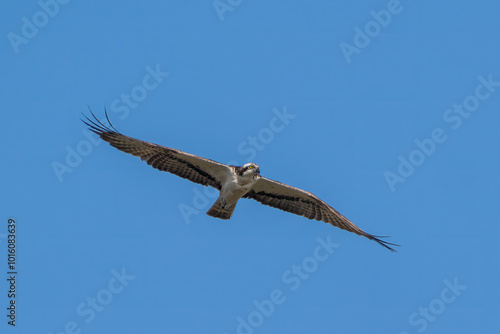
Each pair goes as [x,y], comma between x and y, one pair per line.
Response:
[387,110]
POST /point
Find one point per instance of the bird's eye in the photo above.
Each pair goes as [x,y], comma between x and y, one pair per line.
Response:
[250,167]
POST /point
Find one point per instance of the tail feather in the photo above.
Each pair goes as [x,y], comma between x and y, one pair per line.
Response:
[218,212]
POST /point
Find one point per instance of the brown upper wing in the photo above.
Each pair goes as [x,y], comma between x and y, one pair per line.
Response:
[303,203]
[196,169]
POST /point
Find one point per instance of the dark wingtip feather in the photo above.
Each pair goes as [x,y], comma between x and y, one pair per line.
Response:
[384,243]
[107,118]
[96,126]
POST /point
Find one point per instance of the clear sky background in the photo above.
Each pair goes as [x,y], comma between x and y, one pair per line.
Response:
[388,111]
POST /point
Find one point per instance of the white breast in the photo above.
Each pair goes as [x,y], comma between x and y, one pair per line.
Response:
[233,189]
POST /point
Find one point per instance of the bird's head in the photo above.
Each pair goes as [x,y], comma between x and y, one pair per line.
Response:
[249,169]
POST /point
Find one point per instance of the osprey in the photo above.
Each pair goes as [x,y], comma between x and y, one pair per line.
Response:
[233,182]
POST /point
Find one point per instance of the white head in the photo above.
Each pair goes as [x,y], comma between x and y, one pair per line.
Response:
[248,169]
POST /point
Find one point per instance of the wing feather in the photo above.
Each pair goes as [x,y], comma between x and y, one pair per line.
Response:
[303,203]
[196,169]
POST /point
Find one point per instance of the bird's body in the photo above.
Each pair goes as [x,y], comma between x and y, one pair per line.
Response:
[233,188]
[233,182]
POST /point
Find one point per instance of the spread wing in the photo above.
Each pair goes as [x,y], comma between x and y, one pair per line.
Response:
[196,169]
[303,203]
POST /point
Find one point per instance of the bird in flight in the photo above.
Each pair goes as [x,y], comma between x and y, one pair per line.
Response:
[233,182]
